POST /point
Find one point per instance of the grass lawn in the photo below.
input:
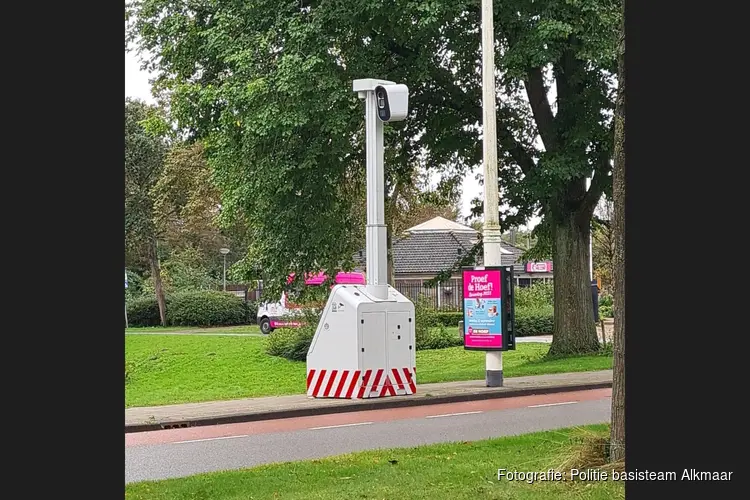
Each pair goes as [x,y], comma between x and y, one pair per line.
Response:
[169,369]
[447,471]
[216,329]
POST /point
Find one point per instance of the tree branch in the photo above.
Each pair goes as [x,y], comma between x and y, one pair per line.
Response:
[545,120]
[592,197]
[519,154]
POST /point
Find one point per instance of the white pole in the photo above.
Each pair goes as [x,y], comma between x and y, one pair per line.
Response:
[491,233]
[225,272]
[377,257]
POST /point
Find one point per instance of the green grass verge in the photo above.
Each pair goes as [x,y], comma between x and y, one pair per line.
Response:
[529,358]
[170,369]
[217,329]
[453,471]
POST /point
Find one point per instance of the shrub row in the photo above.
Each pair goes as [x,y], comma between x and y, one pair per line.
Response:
[196,308]
[293,343]
[449,318]
[536,321]
[529,320]
[433,330]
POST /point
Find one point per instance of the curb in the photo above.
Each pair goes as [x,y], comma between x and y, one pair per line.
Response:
[375,404]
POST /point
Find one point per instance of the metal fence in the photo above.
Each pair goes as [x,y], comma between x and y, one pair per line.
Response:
[446,296]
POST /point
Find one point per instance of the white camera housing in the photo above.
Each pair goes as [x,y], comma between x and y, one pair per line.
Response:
[392,102]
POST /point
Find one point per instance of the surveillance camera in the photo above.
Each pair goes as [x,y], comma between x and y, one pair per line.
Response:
[392,102]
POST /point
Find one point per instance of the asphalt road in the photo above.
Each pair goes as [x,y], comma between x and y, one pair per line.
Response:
[184,452]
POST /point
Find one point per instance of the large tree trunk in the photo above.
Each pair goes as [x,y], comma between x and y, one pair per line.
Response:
[153,258]
[574,328]
[617,429]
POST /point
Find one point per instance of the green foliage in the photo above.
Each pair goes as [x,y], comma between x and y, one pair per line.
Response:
[440,337]
[535,321]
[185,271]
[267,86]
[293,343]
[144,160]
[252,311]
[206,308]
[432,328]
[424,319]
[143,311]
[606,312]
[135,285]
[535,296]
[449,318]
[605,300]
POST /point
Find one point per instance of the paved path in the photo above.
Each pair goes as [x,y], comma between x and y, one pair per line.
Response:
[149,418]
[183,452]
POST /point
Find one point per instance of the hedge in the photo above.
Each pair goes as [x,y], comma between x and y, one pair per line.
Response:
[537,321]
[293,343]
[449,318]
[197,308]
[143,311]
[439,337]
[206,308]
[529,321]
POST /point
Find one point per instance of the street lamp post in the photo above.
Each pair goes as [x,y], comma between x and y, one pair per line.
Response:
[491,230]
[224,252]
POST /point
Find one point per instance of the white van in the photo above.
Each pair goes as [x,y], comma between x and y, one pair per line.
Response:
[272,315]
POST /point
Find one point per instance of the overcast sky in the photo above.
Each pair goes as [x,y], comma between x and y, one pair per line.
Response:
[137,85]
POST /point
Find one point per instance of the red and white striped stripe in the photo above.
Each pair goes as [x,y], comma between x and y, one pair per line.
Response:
[355,384]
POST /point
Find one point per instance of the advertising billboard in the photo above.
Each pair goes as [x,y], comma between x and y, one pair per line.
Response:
[539,267]
[487,308]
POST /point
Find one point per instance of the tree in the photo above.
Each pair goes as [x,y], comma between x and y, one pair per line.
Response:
[572,45]
[269,87]
[144,157]
[617,429]
[186,202]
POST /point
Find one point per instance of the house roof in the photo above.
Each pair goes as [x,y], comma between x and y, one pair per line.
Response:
[429,250]
[441,224]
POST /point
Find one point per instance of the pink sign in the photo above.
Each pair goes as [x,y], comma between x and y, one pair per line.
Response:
[482,309]
[539,267]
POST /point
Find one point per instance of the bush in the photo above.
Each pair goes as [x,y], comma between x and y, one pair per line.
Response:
[606,311]
[605,300]
[206,308]
[293,343]
[279,342]
[534,321]
[440,337]
[449,318]
[425,318]
[252,312]
[536,296]
[143,311]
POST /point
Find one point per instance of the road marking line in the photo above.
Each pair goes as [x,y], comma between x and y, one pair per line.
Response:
[554,404]
[337,426]
[210,439]
[454,414]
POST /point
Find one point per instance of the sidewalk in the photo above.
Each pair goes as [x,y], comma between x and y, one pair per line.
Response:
[274,407]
